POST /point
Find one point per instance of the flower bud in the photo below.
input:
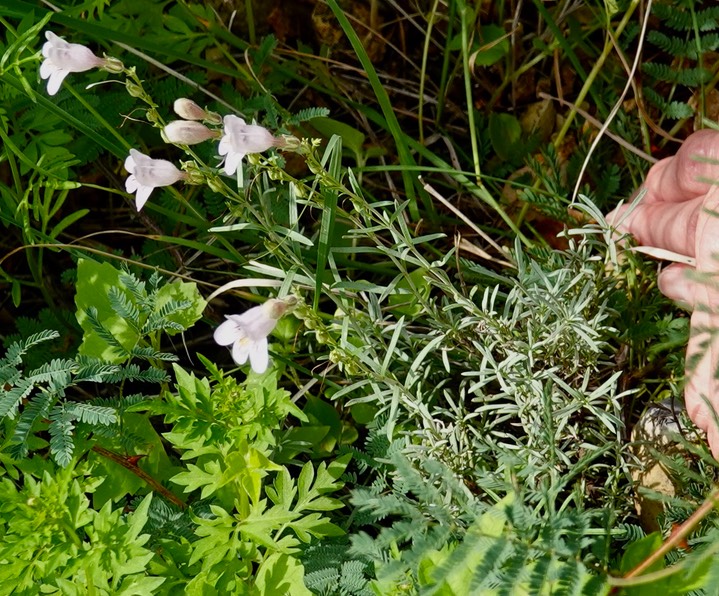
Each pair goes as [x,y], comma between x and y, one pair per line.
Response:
[113,65]
[195,176]
[213,118]
[188,109]
[57,184]
[291,142]
[322,337]
[134,89]
[215,184]
[297,190]
[185,132]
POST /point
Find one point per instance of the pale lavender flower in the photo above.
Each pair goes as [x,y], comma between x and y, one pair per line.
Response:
[146,174]
[62,58]
[185,132]
[240,138]
[247,333]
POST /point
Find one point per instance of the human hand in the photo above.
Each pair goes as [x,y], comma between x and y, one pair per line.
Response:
[680,213]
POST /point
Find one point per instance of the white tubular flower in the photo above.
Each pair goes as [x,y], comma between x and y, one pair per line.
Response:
[247,333]
[146,174]
[184,132]
[62,58]
[239,139]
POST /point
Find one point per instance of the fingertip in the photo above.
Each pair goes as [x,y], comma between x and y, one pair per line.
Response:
[713,440]
[694,170]
[676,284]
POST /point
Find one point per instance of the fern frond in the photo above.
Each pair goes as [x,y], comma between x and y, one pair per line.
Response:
[496,552]
[124,307]
[15,351]
[155,283]
[681,20]
[57,372]
[568,578]
[91,414]
[61,427]
[690,77]
[148,353]
[159,320]
[683,48]
[166,520]
[708,19]
[128,441]
[307,114]
[353,580]
[709,42]
[673,45]
[671,109]
[93,370]
[36,409]
[122,403]
[137,289]
[103,332]
[323,581]
[10,400]
[132,372]
[514,570]
[632,532]
[538,578]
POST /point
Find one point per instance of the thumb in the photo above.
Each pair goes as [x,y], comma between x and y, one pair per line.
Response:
[676,283]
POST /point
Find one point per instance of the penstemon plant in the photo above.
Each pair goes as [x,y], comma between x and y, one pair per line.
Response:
[398,419]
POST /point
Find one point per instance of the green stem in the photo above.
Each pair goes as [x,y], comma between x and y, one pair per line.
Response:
[598,66]
[423,70]
[463,12]
[98,117]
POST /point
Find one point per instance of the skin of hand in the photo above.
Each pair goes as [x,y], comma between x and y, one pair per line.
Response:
[680,213]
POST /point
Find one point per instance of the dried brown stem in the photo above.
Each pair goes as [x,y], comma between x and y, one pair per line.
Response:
[130,464]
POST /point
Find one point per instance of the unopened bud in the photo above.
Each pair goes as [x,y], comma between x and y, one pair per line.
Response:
[113,65]
[134,89]
[57,184]
[290,143]
[185,132]
[298,190]
[215,184]
[212,118]
[194,175]
[188,109]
